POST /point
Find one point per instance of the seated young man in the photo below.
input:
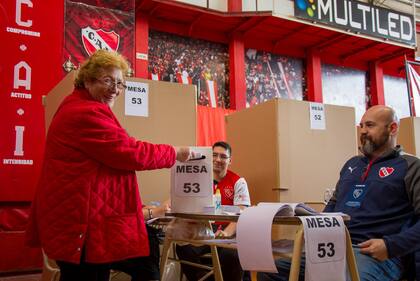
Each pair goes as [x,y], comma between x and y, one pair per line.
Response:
[381,192]
[234,191]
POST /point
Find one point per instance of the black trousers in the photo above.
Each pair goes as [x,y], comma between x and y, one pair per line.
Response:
[229,262]
[140,269]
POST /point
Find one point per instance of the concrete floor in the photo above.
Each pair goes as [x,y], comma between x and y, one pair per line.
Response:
[37,277]
[120,276]
[29,277]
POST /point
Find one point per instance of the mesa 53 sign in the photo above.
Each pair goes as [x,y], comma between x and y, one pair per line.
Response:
[359,17]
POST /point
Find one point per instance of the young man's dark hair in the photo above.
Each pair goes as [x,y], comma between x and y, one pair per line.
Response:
[225,145]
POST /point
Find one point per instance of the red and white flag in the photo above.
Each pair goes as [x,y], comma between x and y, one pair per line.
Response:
[413,80]
[212,92]
[183,78]
[285,80]
[155,76]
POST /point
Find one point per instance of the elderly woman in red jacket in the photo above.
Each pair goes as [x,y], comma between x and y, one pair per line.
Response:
[87,213]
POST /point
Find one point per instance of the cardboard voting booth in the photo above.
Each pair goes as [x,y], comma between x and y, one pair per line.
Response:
[409,135]
[291,151]
[152,111]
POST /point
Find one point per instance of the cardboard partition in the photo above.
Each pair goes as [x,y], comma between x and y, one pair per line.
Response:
[54,98]
[171,120]
[282,158]
[409,135]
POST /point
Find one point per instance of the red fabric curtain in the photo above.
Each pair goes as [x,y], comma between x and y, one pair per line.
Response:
[211,125]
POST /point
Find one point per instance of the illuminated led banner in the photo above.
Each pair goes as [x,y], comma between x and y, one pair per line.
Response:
[359,17]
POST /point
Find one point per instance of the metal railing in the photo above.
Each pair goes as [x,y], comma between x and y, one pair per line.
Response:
[406,6]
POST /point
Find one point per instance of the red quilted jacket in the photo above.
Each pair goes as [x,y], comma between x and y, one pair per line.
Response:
[87,195]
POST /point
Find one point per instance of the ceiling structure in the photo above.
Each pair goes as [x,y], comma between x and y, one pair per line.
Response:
[262,31]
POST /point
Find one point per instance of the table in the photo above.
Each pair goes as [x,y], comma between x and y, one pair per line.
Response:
[295,257]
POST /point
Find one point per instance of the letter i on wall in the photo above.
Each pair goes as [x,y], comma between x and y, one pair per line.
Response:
[19,141]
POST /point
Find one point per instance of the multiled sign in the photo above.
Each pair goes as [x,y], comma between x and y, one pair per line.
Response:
[359,17]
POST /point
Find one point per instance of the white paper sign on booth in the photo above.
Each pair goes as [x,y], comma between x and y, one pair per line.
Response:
[317,116]
[192,183]
[325,248]
[137,99]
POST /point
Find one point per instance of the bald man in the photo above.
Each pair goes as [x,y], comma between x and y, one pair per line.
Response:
[380,190]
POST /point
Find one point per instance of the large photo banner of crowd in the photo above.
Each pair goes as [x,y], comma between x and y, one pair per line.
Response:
[206,64]
[271,76]
[190,61]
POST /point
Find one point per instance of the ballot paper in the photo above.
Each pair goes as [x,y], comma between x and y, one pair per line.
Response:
[253,237]
[324,237]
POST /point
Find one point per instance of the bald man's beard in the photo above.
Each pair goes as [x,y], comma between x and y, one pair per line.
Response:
[370,146]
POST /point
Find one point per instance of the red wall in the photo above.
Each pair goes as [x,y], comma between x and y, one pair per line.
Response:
[31,33]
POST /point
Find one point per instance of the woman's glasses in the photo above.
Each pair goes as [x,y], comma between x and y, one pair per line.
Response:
[110,83]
